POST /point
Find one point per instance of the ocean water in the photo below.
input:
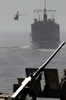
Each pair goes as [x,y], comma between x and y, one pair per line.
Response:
[16,55]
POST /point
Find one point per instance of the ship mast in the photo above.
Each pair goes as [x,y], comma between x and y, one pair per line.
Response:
[45,15]
[45,12]
[45,7]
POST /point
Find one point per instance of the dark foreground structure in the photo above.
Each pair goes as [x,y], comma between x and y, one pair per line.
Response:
[45,34]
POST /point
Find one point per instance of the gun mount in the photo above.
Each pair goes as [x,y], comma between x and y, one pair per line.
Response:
[31,85]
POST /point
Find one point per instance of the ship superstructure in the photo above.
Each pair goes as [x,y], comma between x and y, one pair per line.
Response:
[45,34]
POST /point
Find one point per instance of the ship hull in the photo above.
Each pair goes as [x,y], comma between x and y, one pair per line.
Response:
[45,34]
[44,45]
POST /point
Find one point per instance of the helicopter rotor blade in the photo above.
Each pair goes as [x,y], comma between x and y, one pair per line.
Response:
[9,14]
[22,14]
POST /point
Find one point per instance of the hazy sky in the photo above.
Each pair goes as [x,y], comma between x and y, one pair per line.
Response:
[28,7]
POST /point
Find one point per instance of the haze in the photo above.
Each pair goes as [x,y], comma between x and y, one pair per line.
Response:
[7,22]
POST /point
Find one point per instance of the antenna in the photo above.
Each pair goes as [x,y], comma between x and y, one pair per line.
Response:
[45,15]
[44,6]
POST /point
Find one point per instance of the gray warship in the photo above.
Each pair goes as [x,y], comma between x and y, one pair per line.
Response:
[45,33]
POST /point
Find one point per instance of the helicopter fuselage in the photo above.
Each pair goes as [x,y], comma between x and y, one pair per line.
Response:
[16,17]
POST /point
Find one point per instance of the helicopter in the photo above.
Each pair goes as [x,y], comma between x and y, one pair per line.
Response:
[16,17]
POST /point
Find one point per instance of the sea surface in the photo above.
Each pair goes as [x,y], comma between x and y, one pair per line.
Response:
[16,55]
